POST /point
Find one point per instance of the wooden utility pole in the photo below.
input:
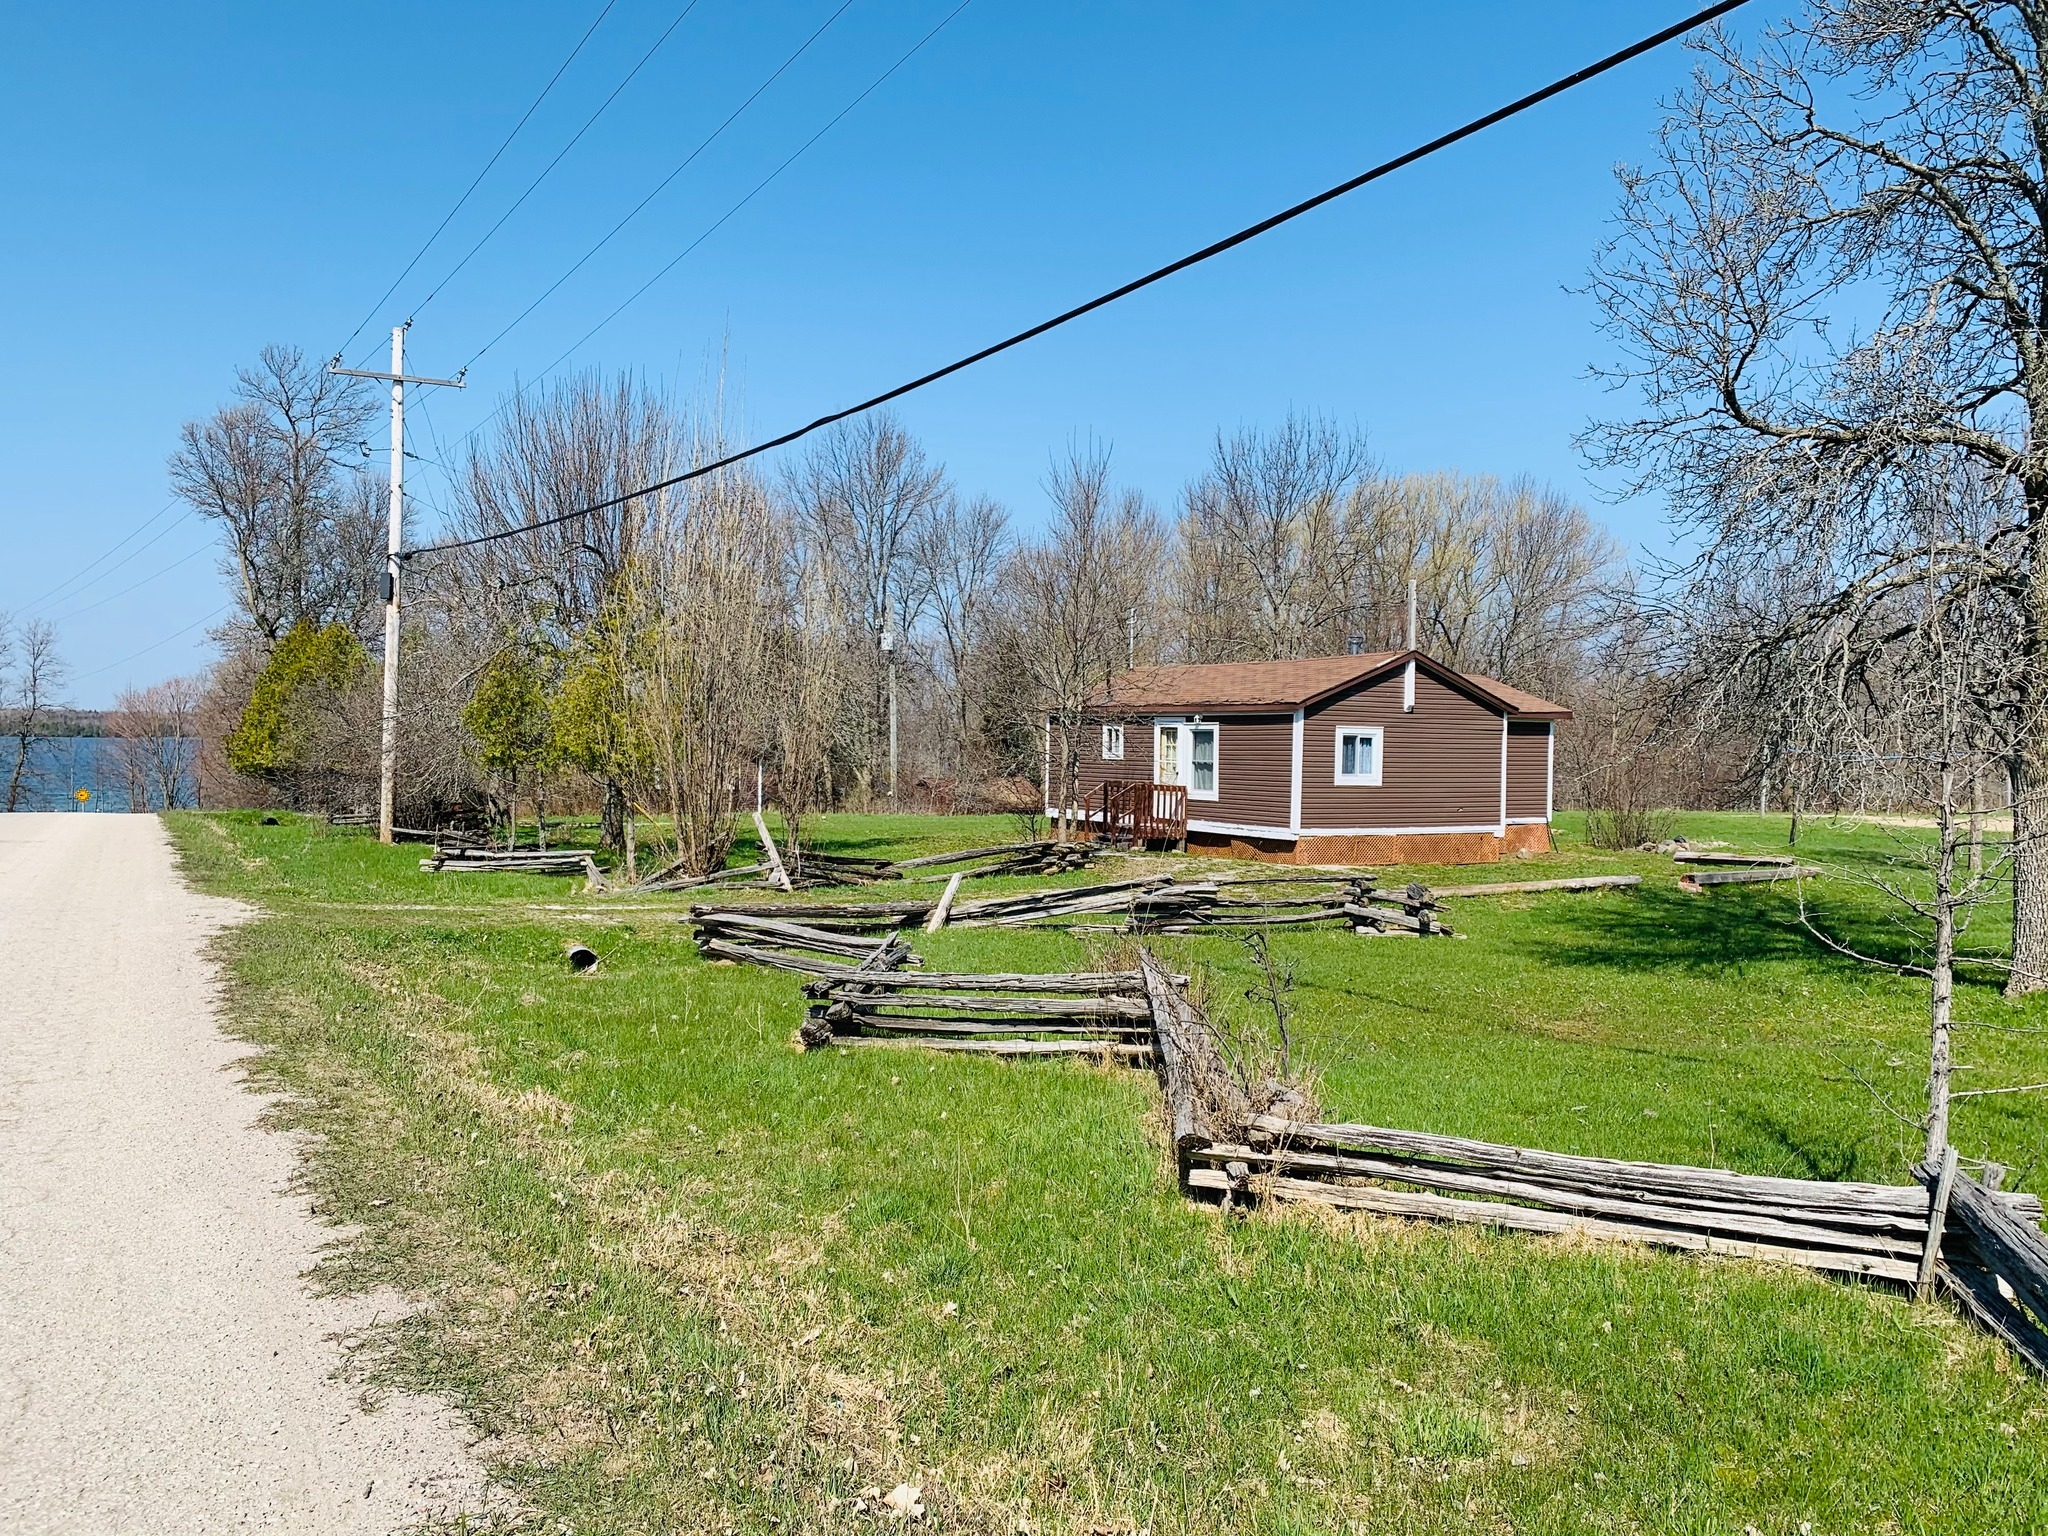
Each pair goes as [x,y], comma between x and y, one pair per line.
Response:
[387,755]
[889,661]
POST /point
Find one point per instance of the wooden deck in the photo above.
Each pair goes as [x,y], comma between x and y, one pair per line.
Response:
[1128,815]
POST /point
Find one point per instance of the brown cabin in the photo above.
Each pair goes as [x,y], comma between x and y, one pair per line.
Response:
[1374,759]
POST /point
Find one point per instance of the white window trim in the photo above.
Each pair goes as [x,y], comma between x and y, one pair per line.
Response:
[1550,772]
[1379,757]
[1112,732]
[1187,755]
[1294,778]
[1503,832]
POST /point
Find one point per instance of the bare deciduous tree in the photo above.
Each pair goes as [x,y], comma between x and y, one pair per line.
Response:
[155,731]
[1840,257]
[1897,689]
[709,593]
[1274,548]
[960,555]
[32,676]
[1075,594]
[863,493]
[1512,577]
[277,470]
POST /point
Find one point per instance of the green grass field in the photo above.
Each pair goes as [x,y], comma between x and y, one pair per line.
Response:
[687,1278]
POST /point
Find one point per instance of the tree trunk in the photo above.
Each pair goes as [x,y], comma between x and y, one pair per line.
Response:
[1941,992]
[2029,876]
[614,819]
[2029,769]
[20,774]
[632,871]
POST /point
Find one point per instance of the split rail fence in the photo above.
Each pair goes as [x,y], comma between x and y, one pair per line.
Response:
[1239,1143]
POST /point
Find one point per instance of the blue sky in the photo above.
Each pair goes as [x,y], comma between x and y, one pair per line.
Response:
[186,184]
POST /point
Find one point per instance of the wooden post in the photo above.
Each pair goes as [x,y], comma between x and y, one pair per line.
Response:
[1937,1217]
[775,868]
[944,909]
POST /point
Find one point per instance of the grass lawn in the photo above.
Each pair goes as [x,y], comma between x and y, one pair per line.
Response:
[688,1279]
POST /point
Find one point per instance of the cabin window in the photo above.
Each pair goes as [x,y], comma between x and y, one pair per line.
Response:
[1202,761]
[1358,754]
[1112,743]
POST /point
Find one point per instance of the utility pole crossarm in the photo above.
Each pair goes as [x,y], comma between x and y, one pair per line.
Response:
[394,378]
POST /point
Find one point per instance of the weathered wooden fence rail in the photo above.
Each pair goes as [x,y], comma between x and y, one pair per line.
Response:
[526,861]
[1241,1143]
[1101,1014]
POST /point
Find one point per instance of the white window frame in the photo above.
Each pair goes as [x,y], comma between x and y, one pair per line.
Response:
[1379,757]
[1112,743]
[1185,754]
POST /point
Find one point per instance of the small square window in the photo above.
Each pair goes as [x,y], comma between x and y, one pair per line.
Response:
[1358,754]
[1112,743]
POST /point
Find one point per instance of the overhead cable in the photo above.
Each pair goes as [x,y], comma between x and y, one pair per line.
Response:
[496,155]
[716,224]
[662,185]
[69,585]
[154,645]
[1159,274]
[533,185]
[158,574]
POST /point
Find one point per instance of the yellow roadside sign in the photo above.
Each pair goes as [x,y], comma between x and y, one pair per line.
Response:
[81,795]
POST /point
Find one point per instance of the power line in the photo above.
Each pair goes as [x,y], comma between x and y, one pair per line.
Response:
[718,223]
[663,184]
[1228,243]
[549,167]
[161,534]
[155,645]
[105,555]
[480,175]
[203,549]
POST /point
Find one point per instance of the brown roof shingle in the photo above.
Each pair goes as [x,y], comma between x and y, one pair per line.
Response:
[1290,684]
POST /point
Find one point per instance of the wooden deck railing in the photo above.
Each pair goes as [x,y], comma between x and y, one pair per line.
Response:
[1130,815]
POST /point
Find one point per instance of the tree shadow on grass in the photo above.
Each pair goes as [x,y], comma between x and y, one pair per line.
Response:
[1659,930]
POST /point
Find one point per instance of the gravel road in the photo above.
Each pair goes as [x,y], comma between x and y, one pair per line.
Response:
[164,1367]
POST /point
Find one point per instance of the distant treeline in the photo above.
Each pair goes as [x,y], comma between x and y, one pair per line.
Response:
[57,722]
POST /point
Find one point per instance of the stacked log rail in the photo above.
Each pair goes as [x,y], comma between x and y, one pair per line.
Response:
[814,870]
[1991,1259]
[526,861]
[1357,904]
[993,911]
[1737,860]
[1875,1230]
[1104,1014]
[1695,881]
[1534,887]
[1035,858]
[757,939]
[1041,906]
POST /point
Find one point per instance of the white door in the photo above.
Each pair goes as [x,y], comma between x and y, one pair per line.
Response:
[1186,755]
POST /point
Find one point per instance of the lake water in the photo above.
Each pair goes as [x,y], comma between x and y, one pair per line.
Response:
[59,768]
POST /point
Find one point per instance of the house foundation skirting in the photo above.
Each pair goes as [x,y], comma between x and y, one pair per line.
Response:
[1377,848]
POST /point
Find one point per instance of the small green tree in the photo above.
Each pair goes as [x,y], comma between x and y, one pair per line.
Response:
[269,742]
[595,731]
[508,715]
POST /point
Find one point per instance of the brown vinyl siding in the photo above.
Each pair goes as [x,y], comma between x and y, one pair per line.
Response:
[1135,766]
[1254,766]
[1254,771]
[1440,765]
[1528,767]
